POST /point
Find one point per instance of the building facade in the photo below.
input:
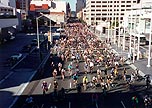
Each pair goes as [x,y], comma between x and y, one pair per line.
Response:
[105,10]
[53,7]
[23,5]
[80,5]
[8,20]
[141,15]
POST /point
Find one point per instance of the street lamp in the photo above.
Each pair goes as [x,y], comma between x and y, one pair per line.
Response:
[124,36]
[119,24]
[149,52]
[131,15]
[108,22]
[37,29]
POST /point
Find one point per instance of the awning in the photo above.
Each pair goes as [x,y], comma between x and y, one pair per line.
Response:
[5,6]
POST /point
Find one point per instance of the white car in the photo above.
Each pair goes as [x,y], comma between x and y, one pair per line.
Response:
[16,56]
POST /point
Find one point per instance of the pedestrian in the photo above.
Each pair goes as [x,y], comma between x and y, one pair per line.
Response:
[70,69]
[55,85]
[59,66]
[94,81]
[147,101]
[54,73]
[148,81]
[124,74]
[85,81]
[62,74]
[134,101]
[44,86]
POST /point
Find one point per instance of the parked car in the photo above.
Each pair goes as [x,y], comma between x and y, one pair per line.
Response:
[26,49]
[34,42]
[16,56]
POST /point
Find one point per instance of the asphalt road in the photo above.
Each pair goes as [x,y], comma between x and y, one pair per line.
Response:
[10,48]
[117,97]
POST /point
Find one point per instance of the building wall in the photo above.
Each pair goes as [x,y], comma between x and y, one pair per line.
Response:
[56,6]
[7,25]
[97,10]
[80,5]
[24,5]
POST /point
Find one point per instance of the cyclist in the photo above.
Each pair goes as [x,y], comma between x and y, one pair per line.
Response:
[54,73]
[44,87]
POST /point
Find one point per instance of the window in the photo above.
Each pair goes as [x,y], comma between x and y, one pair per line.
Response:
[98,5]
[104,5]
[103,18]
[98,18]
[128,1]
[92,10]
[98,10]
[92,14]
[98,14]
[122,9]
[92,5]
[128,5]
[134,1]
[122,5]
[98,1]
[104,13]
[104,1]
[110,5]
[128,9]
[116,5]
[92,18]
[122,1]
[104,10]
[92,1]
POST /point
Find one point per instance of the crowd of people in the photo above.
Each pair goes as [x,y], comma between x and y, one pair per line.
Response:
[81,45]
[81,48]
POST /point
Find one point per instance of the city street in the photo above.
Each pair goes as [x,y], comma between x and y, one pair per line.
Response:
[119,96]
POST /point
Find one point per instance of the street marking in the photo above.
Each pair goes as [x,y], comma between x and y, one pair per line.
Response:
[6,77]
[69,104]
[123,104]
[70,85]
[18,62]
[97,105]
[42,106]
[20,91]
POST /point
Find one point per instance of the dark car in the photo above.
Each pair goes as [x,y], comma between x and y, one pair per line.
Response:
[26,49]
[34,42]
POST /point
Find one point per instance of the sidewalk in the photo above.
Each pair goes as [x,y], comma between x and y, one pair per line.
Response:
[140,64]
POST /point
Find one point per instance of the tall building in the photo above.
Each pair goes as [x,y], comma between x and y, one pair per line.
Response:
[80,5]
[8,19]
[104,10]
[23,5]
[56,10]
